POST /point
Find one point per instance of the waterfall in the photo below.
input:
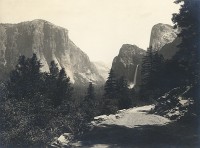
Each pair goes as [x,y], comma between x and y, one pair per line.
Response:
[132,85]
[135,76]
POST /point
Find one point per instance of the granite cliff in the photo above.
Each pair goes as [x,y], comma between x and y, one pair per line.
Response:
[126,62]
[49,42]
[161,34]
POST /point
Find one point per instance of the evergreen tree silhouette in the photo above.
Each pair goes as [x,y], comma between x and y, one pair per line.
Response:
[51,84]
[25,79]
[123,94]
[64,89]
[152,75]
[110,85]
[110,95]
[89,103]
[187,58]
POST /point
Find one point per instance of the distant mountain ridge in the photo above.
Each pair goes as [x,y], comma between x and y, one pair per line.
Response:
[49,42]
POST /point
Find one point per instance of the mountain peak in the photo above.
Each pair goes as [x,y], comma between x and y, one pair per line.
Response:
[130,49]
[162,25]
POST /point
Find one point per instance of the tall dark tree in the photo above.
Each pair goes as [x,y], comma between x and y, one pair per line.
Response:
[51,84]
[54,70]
[25,80]
[147,67]
[110,101]
[65,89]
[187,58]
[110,86]
[89,103]
[123,94]
[58,86]
[152,75]
[157,70]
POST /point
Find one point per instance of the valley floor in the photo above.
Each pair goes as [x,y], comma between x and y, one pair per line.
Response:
[136,128]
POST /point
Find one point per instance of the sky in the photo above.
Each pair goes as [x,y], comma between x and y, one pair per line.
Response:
[98,27]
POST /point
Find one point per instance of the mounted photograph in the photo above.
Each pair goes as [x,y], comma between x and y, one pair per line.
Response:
[99,74]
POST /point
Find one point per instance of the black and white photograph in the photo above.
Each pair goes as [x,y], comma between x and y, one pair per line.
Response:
[99,73]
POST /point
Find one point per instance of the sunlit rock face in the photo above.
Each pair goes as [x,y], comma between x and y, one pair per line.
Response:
[164,39]
[161,34]
[49,42]
[126,62]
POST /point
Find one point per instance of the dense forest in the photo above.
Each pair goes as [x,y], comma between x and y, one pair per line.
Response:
[38,106]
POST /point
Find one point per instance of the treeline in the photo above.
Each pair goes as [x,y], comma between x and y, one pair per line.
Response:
[152,74]
[117,95]
[39,106]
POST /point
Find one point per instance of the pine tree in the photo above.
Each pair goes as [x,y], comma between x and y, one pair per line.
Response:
[54,70]
[186,62]
[110,86]
[157,70]
[64,89]
[187,58]
[25,80]
[51,84]
[58,86]
[110,100]
[152,74]
[147,67]
[89,103]
[123,94]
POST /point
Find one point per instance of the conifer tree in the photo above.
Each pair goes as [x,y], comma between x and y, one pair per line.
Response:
[51,84]
[89,103]
[25,80]
[152,69]
[64,89]
[110,100]
[123,94]
[54,71]
[187,58]
[147,66]
[110,86]
[58,86]
[186,62]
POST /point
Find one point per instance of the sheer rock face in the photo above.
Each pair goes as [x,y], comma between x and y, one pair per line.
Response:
[48,42]
[161,34]
[126,62]
[164,39]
